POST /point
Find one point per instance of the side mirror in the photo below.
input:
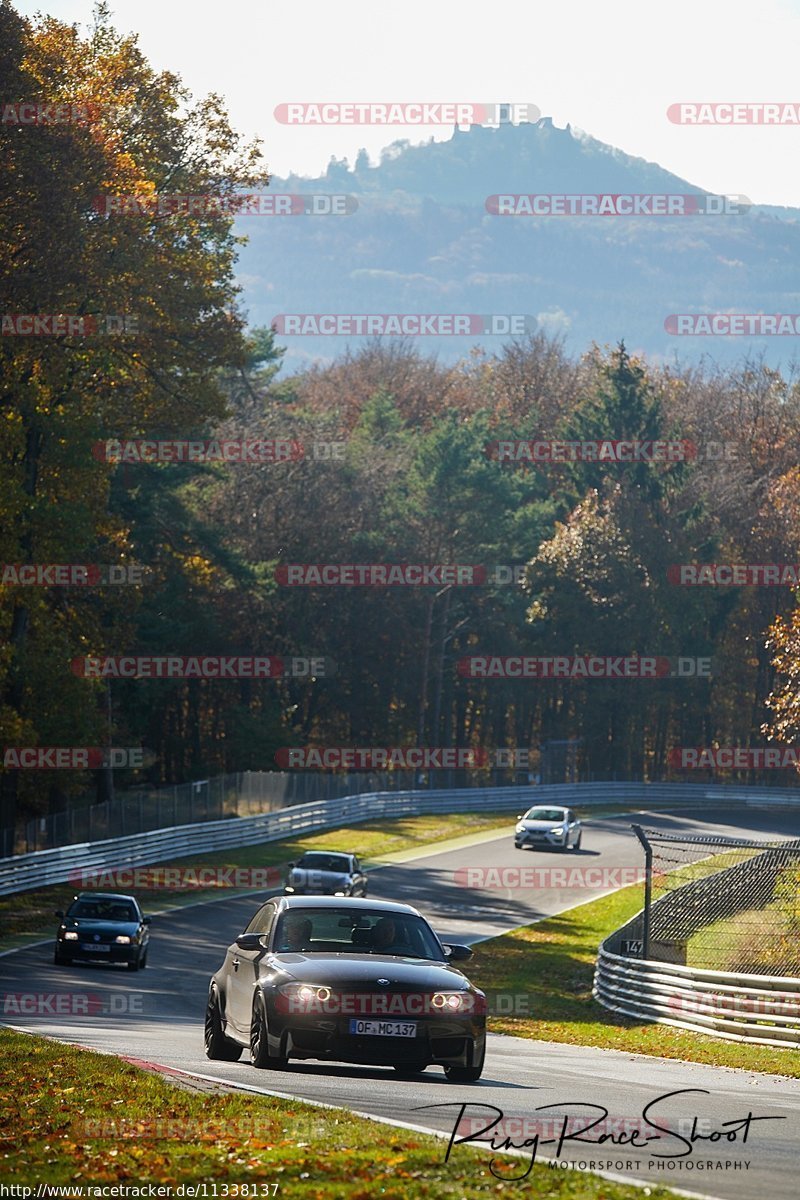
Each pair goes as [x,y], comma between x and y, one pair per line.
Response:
[59,912]
[458,953]
[146,920]
[249,941]
[291,864]
[519,816]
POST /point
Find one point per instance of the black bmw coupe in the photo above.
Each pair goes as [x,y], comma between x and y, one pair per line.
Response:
[346,980]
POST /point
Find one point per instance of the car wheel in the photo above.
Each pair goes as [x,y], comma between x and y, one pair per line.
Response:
[465,1074]
[577,845]
[143,963]
[259,1038]
[406,1072]
[364,893]
[59,959]
[217,1045]
[517,846]
[134,966]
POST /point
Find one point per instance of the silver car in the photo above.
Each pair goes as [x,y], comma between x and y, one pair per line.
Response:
[547,825]
[326,873]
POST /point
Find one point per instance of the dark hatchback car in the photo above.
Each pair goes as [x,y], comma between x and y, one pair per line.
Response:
[346,980]
[326,873]
[103,927]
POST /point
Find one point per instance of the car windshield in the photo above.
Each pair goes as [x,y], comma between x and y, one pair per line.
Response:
[343,931]
[325,862]
[103,910]
[545,814]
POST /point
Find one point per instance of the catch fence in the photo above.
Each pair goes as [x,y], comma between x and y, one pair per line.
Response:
[717,903]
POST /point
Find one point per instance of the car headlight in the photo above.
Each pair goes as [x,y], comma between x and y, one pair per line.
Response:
[520,828]
[304,997]
[559,831]
[122,939]
[452,1001]
[288,888]
[70,935]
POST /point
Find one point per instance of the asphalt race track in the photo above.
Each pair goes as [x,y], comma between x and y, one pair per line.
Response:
[157,1016]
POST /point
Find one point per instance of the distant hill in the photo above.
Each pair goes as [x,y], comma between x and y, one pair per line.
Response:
[423,241]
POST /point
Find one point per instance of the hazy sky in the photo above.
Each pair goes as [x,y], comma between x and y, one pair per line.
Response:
[610,69]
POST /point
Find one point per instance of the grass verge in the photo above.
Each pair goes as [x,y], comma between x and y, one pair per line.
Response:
[30,914]
[55,1100]
[551,964]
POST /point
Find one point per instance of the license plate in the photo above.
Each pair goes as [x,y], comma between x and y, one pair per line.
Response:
[96,948]
[384,1028]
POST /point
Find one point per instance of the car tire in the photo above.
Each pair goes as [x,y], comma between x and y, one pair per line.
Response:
[143,962]
[217,1045]
[577,845]
[457,1074]
[134,966]
[518,847]
[259,1039]
[59,959]
[407,1072]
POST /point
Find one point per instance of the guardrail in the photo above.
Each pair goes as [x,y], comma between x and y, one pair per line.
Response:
[43,867]
[738,1007]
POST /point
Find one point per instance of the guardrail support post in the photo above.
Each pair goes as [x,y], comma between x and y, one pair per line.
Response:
[648,888]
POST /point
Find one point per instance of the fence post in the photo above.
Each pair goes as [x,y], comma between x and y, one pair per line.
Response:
[648,888]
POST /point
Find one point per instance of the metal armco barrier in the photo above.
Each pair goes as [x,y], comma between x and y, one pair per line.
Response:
[43,867]
[743,1008]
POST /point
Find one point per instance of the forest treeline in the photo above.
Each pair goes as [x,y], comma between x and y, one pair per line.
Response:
[412,479]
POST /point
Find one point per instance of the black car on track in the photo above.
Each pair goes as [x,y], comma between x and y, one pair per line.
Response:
[103,927]
[326,873]
[346,980]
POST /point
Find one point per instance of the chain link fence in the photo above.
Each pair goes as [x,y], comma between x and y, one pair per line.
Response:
[717,903]
[243,794]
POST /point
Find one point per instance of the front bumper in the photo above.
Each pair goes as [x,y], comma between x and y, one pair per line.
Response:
[447,1041]
[540,839]
[73,951]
